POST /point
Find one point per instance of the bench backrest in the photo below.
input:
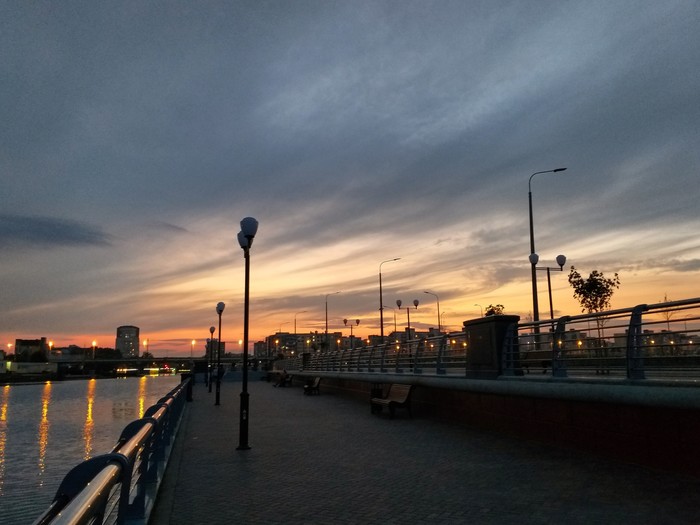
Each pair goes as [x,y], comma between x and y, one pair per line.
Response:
[399,393]
[316,382]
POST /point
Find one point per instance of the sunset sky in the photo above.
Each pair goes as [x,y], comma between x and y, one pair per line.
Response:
[136,135]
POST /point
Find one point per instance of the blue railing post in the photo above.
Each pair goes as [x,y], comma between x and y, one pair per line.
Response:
[420,347]
[558,363]
[634,354]
[511,351]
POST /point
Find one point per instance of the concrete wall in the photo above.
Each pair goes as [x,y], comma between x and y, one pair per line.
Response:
[653,425]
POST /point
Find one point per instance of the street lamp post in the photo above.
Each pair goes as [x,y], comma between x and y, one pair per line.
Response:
[381,300]
[352,340]
[561,261]
[219,311]
[394,311]
[408,315]
[295,320]
[249,227]
[481,309]
[211,355]
[326,332]
[535,305]
[438,309]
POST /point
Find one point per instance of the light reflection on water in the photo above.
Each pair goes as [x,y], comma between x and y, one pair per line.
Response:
[44,425]
[47,429]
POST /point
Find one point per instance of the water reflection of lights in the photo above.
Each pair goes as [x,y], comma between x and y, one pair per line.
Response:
[88,428]
[142,396]
[44,426]
[3,433]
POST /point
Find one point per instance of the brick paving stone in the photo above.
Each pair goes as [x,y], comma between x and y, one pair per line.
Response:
[327,459]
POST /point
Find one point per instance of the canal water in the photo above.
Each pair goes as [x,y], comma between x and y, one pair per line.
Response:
[46,429]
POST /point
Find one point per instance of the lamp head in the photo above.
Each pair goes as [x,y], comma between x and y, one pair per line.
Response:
[561,260]
[242,241]
[415,303]
[558,170]
[249,227]
[220,308]
[398,303]
[212,330]
[534,258]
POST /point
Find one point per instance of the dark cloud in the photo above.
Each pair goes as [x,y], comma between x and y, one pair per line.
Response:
[49,232]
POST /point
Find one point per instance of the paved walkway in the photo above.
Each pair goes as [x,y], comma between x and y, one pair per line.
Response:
[326,459]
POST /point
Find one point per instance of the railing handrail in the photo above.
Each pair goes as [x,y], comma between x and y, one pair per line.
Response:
[621,341]
[85,492]
[614,313]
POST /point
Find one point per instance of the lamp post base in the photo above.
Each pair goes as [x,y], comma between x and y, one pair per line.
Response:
[243,423]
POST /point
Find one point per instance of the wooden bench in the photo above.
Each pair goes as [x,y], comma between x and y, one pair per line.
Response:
[398,396]
[313,387]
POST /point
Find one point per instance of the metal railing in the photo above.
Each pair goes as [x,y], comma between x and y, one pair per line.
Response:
[659,341]
[121,486]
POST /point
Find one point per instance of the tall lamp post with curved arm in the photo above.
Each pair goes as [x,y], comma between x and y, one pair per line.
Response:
[219,310]
[438,309]
[249,227]
[381,300]
[535,305]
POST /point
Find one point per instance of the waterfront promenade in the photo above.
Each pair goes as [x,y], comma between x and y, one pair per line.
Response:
[327,459]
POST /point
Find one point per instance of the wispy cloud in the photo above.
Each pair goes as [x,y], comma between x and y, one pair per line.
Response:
[49,232]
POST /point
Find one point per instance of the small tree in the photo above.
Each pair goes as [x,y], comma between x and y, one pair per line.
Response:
[494,310]
[594,295]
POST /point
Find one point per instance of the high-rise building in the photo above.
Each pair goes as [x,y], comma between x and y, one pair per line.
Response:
[128,341]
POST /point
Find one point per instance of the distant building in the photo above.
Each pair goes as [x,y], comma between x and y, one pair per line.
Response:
[128,341]
[31,350]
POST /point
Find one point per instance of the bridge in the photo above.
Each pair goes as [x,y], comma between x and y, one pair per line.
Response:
[608,433]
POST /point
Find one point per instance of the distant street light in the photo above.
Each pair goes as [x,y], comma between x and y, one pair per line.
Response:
[249,227]
[295,320]
[219,310]
[192,349]
[328,345]
[535,305]
[352,340]
[438,309]
[408,315]
[94,345]
[481,308]
[561,261]
[381,300]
